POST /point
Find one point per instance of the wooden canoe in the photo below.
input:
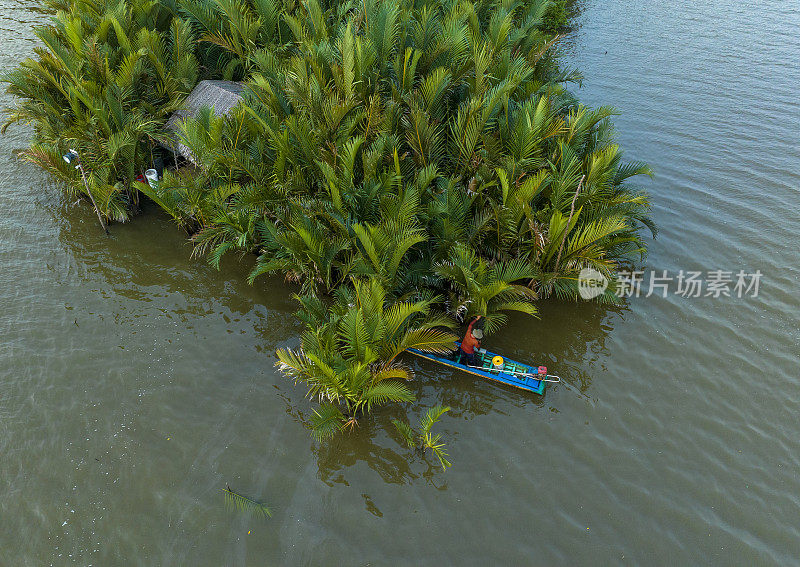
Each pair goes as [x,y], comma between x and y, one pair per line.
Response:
[511,373]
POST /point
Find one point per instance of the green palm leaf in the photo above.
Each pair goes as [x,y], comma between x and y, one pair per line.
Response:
[326,422]
[407,432]
[386,391]
[237,501]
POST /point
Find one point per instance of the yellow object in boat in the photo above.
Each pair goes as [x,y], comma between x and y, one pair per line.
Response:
[498,360]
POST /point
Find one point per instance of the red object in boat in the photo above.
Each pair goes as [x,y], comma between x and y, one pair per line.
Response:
[543,371]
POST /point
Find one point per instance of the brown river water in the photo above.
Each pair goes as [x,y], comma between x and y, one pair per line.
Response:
[135,383]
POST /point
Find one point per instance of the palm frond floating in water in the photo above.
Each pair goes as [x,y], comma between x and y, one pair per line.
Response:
[234,500]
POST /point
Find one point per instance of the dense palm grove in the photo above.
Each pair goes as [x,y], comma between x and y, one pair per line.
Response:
[409,164]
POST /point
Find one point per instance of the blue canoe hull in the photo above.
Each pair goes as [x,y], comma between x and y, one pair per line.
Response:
[524,382]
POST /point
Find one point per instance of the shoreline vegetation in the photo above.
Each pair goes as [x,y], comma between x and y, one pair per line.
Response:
[408,164]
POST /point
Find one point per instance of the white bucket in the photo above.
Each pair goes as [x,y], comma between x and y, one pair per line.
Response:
[152,177]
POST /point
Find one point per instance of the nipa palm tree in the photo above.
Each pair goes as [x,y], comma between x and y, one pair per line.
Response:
[477,288]
[349,350]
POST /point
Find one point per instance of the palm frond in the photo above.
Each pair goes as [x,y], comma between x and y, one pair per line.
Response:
[237,501]
[326,422]
[432,416]
[407,432]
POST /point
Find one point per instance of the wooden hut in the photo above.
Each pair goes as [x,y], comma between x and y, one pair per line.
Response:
[222,96]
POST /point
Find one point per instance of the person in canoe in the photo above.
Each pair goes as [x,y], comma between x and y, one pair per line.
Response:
[471,342]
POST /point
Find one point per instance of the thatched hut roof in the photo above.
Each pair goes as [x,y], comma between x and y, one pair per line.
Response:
[222,96]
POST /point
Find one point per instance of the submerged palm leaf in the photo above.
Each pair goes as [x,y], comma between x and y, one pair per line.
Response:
[407,432]
[422,438]
[237,501]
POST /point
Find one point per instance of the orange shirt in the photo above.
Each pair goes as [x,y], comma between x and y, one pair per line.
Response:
[469,343]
